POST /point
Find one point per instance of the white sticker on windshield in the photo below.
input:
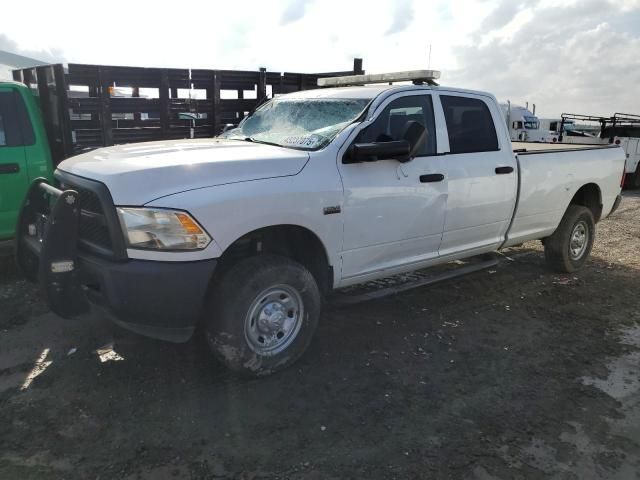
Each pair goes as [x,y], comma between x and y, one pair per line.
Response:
[306,141]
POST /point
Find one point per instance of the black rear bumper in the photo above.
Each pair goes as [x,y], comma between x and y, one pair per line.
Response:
[158,299]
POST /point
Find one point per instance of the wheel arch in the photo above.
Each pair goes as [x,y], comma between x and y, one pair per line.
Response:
[590,196]
[289,240]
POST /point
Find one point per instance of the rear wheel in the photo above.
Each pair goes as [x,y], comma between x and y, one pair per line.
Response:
[569,247]
[262,314]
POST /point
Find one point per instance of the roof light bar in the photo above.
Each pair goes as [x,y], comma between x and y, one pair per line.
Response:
[415,76]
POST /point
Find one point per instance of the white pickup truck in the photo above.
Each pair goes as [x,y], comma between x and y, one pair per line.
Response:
[244,234]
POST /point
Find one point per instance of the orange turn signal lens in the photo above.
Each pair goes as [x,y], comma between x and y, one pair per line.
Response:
[188,224]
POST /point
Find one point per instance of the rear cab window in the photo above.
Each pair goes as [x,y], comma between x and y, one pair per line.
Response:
[470,125]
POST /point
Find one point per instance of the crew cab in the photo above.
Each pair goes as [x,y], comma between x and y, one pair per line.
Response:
[244,234]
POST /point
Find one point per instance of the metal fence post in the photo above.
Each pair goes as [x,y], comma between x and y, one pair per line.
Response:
[63,111]
[216,110]
[104,103]
[262,84]
[357,66]
[164,102]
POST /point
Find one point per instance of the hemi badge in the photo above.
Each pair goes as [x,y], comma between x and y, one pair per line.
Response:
[332,210]
[62,267]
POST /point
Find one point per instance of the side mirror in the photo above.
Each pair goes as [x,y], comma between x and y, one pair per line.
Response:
[405,150]
[372,152]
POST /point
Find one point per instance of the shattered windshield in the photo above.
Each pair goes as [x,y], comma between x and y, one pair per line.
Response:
[300,123]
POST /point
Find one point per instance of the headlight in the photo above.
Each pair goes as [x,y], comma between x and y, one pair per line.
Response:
[162,229]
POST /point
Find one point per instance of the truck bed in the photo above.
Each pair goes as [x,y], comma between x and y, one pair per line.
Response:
[551,174]
[536,147]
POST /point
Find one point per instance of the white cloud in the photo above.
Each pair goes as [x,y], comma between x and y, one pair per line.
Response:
[44,54]
[564,59]
[506,31]
[627,5]
[293,11]
[402,16]
[571,55]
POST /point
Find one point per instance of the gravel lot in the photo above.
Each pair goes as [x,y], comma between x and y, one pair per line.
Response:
[513,373]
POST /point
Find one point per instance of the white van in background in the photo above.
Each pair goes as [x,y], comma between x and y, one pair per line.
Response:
[523,124]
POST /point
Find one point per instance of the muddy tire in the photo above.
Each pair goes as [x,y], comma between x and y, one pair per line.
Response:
[261,315]
[569,247]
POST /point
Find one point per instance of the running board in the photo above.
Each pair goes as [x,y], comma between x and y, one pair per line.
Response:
[408,281]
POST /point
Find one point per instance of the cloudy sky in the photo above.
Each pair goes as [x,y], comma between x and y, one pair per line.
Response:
[577,56]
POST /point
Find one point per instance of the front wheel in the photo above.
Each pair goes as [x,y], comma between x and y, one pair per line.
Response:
[569,247]
[262,314]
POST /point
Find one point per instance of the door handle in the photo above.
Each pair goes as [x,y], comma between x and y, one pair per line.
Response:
[503,170]
[7,168]
[431,177]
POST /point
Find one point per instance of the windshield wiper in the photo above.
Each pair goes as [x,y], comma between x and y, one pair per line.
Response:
[264,142]
[255,140]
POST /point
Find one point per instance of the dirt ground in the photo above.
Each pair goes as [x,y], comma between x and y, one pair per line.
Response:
[506,374]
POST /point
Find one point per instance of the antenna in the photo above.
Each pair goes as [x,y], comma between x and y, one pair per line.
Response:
[429,62]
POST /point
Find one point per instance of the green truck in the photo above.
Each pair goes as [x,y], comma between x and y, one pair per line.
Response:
[24,153]
[51,112]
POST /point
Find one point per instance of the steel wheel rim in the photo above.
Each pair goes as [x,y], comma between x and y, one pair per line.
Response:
[579,240]
[273,320]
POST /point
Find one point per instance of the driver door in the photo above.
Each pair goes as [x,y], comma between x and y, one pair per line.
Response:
[13,168]
[393,212]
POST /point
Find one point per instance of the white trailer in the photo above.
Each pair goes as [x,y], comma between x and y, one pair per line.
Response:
[522,123]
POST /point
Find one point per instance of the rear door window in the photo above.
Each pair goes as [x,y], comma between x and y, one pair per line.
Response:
[469,125]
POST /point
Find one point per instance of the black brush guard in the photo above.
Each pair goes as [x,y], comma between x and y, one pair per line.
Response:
[47,246]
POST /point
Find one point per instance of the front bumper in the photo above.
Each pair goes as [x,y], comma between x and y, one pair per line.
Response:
[162,300]
[158,299]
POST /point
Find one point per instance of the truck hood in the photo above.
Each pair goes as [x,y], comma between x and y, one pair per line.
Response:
[139,173]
